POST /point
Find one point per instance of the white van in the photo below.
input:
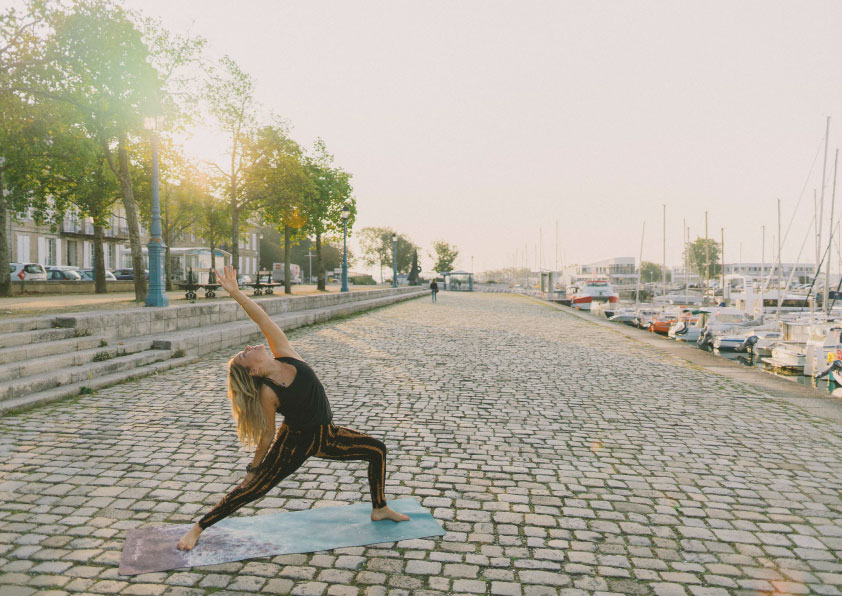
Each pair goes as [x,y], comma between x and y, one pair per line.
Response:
[27,272]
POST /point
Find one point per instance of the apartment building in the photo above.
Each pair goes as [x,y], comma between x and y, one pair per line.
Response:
[72,244]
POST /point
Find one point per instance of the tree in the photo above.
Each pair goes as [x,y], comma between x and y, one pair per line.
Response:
[323,208]
[278,182]
[694,253]
[22,50]
[230,94]
[183,190]
[213,225]
[414,269]
[100,65]
[377,249]
[445,255]
[652,272]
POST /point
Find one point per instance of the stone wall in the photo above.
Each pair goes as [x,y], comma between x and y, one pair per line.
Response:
[137,322]
[27,288]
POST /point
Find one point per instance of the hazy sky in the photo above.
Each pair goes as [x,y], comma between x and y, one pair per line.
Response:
[482,122]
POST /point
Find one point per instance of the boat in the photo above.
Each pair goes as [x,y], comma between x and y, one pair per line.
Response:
[719,321]
[583,294]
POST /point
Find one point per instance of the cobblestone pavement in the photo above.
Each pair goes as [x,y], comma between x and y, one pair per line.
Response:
[561,458]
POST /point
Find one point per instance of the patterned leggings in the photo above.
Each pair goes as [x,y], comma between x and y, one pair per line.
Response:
[288,452]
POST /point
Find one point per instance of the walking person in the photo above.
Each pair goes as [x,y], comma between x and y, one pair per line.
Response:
[435,289]
[259,385]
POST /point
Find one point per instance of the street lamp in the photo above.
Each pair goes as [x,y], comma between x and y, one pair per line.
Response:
[394,260]
[156,295]
[346,211]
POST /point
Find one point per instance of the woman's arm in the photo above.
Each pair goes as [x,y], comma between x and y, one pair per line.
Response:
[278,342]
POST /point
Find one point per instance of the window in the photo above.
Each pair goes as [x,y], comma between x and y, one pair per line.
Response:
[51,251]
[72,250]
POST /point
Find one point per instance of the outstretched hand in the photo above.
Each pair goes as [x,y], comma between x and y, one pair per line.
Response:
[227,278]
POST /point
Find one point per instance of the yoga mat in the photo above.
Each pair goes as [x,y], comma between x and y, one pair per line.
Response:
[238,538]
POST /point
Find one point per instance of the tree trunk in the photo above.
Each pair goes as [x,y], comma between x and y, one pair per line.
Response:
[287,268]
[320,265]
[5,255]
[99,262]
[235,234]
[140,286]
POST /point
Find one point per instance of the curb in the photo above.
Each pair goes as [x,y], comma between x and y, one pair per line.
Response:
[810,399]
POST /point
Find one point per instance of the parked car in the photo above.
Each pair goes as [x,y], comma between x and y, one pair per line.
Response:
[128,273]
[63,274]
[88,275]
[27,272]
[243,279]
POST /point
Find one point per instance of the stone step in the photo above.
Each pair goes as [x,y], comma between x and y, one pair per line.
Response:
[26,367]
[47,348]
[23,338]
[25,324]
[32,400]
[238,333]
[69,375]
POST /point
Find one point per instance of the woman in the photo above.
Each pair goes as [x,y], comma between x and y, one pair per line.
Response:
[259,385]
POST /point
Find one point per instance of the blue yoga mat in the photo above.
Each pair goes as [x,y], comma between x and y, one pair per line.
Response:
[238,538]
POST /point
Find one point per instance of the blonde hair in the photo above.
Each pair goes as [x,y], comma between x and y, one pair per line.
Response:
[244,394]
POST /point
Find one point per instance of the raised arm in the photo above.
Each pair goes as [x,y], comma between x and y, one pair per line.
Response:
[278,342]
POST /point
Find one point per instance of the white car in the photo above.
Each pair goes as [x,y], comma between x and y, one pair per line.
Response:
[27,272]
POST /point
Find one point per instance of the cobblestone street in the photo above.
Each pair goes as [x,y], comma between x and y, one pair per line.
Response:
[561,458]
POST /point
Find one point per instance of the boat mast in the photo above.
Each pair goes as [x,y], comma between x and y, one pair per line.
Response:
[821,200]
[707,262]
[826,302]
[722,251]
[640,267]
[664,272]
[762,269]
[780,262]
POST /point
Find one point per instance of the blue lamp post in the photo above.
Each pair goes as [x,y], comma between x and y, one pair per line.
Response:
[155,247]
[394,260]
[346,211]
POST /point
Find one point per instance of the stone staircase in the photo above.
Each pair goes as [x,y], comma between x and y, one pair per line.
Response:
[42,363]
[43,359]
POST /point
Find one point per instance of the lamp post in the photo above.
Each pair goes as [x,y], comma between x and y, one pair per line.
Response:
[394,260]
[346,211]
[310,260]
[155,246]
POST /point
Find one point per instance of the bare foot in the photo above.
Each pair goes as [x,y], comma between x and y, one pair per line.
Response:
[188,541]
[387,513]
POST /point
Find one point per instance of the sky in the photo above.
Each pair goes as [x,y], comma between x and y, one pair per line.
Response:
[483,123]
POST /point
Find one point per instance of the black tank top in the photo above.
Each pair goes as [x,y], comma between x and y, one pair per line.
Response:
[303,403]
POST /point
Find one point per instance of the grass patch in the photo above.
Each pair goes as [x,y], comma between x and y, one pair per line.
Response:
[179,353]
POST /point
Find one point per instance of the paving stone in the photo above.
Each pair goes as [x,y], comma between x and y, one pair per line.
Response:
[681,482]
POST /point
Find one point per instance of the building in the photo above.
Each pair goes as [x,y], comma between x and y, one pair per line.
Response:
[803,272]
[684,276]
[620,271]
[72,243]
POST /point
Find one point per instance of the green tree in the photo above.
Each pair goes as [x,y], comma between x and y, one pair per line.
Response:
[23,34]
[100,65]
[445,255]
[694,253]
[183,190]
[278,182]
[230,95]
[213,225]
[652,272]
[323,208]
[414,270]
[377,249]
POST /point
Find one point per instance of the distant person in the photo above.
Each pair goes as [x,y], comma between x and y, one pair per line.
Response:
[435,289]
[261,384]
